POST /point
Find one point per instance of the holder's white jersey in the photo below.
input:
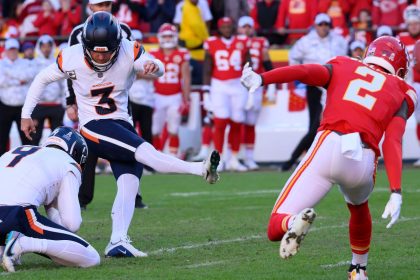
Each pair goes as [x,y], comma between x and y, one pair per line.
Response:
[99,95]
[32,175]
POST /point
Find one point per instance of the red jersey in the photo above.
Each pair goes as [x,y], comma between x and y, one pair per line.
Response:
[257,46]
[170,82]
[362,99]
[228,58]
[409,43]
[388,12]
[299,14]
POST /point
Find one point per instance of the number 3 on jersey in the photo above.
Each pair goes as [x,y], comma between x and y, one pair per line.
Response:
[105,99]
[353,90]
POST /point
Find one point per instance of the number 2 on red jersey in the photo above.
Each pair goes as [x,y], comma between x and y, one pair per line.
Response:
[372,85]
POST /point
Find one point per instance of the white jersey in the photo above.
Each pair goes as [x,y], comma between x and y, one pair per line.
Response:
[32,175]
[142,92]
[99,95]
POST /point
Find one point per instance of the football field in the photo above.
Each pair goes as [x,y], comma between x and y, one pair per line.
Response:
[193,230]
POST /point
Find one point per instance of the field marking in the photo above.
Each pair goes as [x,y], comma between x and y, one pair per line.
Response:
[255,237]
[205,244]
[342,263]
[404,190]
[189,194]
[204,264]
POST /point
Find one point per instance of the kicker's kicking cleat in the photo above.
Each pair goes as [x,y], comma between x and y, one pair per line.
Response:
[123,249]
[291,241]
[210,173]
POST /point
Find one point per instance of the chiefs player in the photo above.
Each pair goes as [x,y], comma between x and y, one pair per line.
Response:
[260,62]
[409,39]
[365,100]
[172,89]
[224,57]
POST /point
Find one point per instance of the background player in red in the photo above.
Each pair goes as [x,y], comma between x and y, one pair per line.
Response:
[260,62]
[172,89]
[409,39]
[365,100]
[224,57]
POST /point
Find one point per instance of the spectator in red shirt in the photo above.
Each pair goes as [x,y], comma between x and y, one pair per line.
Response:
[357,6]
[131,12]
[299,14]
[45,20]
[338,11]
[362,26]
[26,15]
[69,16]
[388,12]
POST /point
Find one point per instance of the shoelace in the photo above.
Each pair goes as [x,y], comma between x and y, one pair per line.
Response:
[126,239]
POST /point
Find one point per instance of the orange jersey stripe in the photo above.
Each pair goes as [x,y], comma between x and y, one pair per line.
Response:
[90,137]
[31,222]
[60,61]
[137,48]
[300,171]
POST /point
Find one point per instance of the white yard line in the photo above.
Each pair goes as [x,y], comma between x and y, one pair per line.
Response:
[204,264]
[188,194]
[342,263]
[254,237]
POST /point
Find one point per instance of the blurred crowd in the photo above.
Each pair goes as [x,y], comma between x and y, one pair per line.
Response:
[315,30]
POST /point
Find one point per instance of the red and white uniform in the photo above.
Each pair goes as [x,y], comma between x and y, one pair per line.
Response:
[257,46]
[360,101]
[228,97]
[168,90]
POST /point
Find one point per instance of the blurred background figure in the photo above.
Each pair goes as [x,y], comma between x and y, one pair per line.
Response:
[68,16]
[296,14]
[266,15]
[384,30]
[260,62]
[409,38]
[318,46]
[28,50]
[193,18]
[362,25]
[230,9]
[16,75]
[50,108]
[172,90]
[338,11]
[357,49]
[160,12]
[45,20]
[388,12]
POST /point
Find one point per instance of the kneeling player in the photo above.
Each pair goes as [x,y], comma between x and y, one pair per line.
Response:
[50,175]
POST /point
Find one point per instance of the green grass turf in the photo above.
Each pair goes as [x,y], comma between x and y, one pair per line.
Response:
[197,231]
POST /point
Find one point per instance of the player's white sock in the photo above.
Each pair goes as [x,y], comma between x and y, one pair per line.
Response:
[64,252]
[360,259]
[249,153]
[123,208]
[163,163]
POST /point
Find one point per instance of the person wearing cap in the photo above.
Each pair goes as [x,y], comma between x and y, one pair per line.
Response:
[224,57]
[318,46]
[28,50]
[409,38]
[357,48]
[260,62]
[88,178]
[15,77]
[50,106]
[384,30]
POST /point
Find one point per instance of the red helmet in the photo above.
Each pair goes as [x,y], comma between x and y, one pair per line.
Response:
[168,36]
[388,53]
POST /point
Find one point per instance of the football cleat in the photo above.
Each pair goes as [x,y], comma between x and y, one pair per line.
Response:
[139,203]
[12,251]
[251,164]
[234,165]
[210,173]
[123,249]
[357,272]
[293,238]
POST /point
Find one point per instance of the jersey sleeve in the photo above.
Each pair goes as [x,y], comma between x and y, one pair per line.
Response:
[50,74]
[141,56]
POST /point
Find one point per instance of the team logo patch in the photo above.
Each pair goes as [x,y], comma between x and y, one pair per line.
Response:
[177,59]
[72,74]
